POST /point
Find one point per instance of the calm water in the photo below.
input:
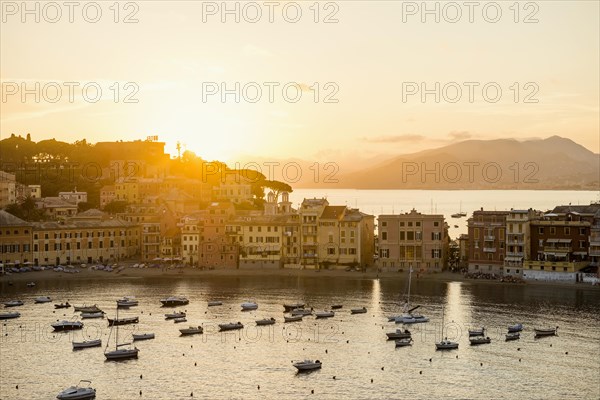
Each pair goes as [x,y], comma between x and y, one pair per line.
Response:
[352,347]
[446,202]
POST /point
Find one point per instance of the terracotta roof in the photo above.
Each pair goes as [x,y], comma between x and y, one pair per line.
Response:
[333,212]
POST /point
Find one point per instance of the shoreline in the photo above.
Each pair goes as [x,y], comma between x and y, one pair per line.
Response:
[153,273]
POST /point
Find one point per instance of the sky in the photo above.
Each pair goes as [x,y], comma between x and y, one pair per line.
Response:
[361,78]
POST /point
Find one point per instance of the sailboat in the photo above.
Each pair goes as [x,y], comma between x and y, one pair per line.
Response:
[460,213]
[409,317]
[118,353]
[445,344]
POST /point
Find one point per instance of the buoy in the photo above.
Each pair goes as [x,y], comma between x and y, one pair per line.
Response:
[382,368]
[420,372]
[347,341]
[140,376]
[195,365]
[550,344]
[518,349]
[17,387]
[192,394]
[456,357]
[430,360]
[371,380]
[312,391]
[334,377]
[140,392]
[258,387]
[481,364]
[519,360]
[325,351]
[566,352]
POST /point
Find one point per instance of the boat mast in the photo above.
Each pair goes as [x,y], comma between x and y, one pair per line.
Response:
[409,279]
[117,334]
[443,314]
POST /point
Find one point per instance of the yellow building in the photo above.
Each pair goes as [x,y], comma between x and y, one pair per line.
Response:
[15,240]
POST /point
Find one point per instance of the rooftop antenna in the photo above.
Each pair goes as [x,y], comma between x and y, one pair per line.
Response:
[431,206]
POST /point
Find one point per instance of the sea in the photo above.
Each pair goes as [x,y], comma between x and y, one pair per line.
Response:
[358,362]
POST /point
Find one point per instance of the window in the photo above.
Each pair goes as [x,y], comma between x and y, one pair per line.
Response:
[553,230]
[418,223]
[410,235]
[401,223]
[410,223]
[582,231]
[402,235]
[384,223]
[436,223]
[331,251]
[418,235]
[383,235]
[541,230]
[567,230]
[385,253]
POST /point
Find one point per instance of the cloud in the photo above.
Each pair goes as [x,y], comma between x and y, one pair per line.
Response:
[460,135]
[407,137]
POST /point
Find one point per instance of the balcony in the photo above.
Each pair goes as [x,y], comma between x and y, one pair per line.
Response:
[489,238]
[309,255]
[489,249]
[557,249]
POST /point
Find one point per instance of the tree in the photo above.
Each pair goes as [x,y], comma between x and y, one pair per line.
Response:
[84,206]
[277,187]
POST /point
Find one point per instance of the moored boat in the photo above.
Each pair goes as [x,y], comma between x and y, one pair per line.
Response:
[179,320]
[127,301]
[87,309]
[178,314]
[67,325]
[10,315]
[78,392]
[249,305]
[307,365]
[477,332]
[445,344]
[42,299]
[123,321]
[513,336]
[62,305]
[174,301]
[293,318]
[265,321]
[231,326]
[539,332]
[404,342]
[92,315]
[337,306]
[13,303]
[324,314]
[292,306]
[480,340]
[515,328]
[358,310]
[87,343]
[192,330]
[143,336]
[399,334]
[119,353]
[215,303]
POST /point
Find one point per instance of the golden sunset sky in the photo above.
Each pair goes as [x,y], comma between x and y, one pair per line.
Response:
[170,54]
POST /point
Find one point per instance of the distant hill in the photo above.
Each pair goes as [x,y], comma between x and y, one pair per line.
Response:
[552,163]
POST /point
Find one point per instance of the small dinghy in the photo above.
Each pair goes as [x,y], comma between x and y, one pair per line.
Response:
[42,299]
[87,343]
[399,334]
[265,321]
[540,332]
[293,318]
[192,330]
[123,321]
[307,365]
[174,315]
[324,314]
[62,305]
[293,306]
[513,336]
[515,328]
[358,310]
[92,315]
[337,306]
[143,336]
[249,305]
[10,315]
[231,326]
[404,342]
[477,332]
[179,320]
[480,340]
[215,303]
[67,325]
[13,303]
[301,311]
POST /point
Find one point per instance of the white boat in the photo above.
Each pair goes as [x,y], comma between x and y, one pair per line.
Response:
[178,314]
[324,314]
[87,343]
[10,315]
[290,307]
[477,332]
[87,309]
[143,336]
[358,310]
[215,303]
[67,325]
[30,284]
[249,305]
[92,315]
[404,342]
[307,365]
[539,332]
[174,301]
[13,303]
[293,318]
[399,334]
[78,392]
[445,344]
[515,328]
[192,330]
[118,353]
[301,311]
[480,340]
[43,299]
[127,301]
[460,213]
[409,317]
[231,326]
[179,320]
[513,336]
[265,321]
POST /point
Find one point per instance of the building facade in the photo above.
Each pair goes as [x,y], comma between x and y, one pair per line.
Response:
[487,241]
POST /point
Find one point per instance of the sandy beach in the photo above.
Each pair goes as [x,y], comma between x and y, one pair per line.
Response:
[153,273]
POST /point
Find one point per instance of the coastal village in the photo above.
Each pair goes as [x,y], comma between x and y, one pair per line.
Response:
[169,220]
